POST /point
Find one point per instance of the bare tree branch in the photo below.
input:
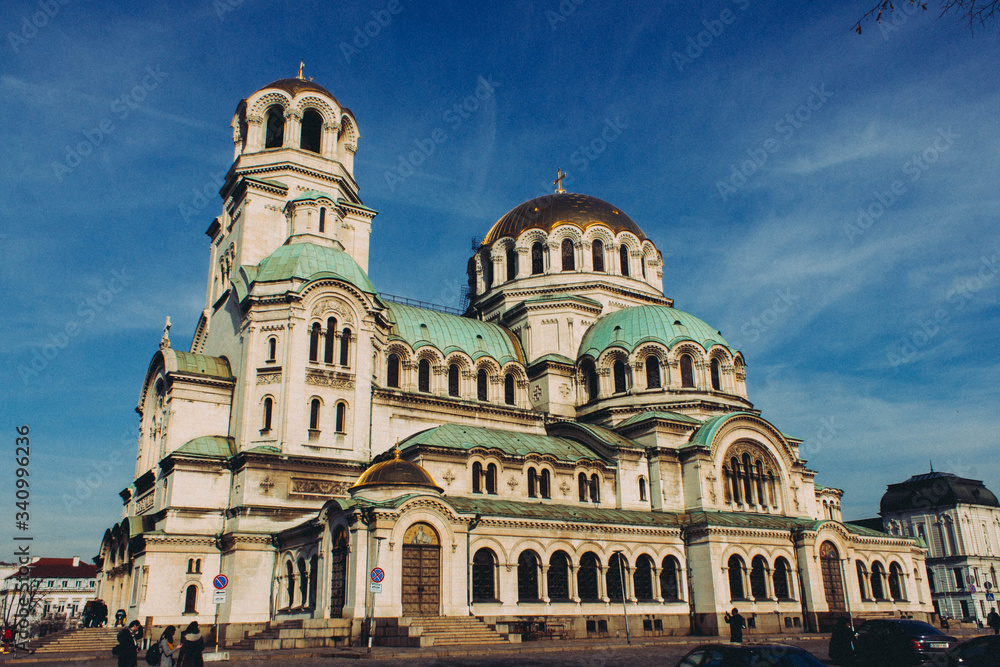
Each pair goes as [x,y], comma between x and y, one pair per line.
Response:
[973,11]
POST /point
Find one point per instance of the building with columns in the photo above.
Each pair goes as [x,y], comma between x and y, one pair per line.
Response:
[568,443]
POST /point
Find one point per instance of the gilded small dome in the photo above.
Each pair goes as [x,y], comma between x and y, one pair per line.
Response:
[396,472]
[562,207]
[295,86]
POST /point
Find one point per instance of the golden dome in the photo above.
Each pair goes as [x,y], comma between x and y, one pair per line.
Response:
[396,472]
[294,86]
[562,207]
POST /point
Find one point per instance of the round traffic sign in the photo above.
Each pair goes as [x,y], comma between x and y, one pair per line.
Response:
[220,581]
[378,574]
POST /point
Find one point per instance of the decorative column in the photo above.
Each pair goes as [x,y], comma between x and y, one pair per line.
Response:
[543,584]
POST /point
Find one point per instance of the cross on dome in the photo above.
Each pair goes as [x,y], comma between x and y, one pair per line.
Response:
[560,175]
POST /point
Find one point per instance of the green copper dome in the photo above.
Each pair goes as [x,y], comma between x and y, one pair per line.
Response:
[419,327]
[308,261]
[630,327]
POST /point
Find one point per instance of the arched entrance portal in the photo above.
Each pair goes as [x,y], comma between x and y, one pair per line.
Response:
[833,583]
[421,571]
[338,573]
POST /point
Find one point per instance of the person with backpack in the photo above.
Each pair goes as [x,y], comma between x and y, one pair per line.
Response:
[191,647]
[162,652]
[127,650]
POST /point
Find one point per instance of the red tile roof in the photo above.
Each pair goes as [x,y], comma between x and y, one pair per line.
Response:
[60,568]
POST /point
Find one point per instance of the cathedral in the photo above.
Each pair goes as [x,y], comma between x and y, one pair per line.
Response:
[569,452]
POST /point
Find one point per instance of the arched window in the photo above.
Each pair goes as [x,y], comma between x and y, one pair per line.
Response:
[424,376]
[313,580]
[483,576]
[617,566]
[268,408]
[392,371]
[878,577]
[584,487]
[322,219]
[289,584]
[345,347]
[191,600]
[598,251]
[314,342]
[537,259]
[642,488]
[511,263]
[543,484]
[687,371]
[312,131]
[736,578]
[758,578]
[623,252]
[527,577]
[642,263]
[532,482]
[862,580]
[341,418]
[303,583]
[716,380]
[897,588]
[759,481]
[772,489]
[592,381]
[274,128]
[190,565]
[620,383]
[734,466]
[642,578]
[477,477]
[197,565]
[482,388]
[272,348]
[331,339]
[487,264]
[747,479]
[508,389]
[652,373]
[669,579]
[568,256]
[491,479]
[595,488]
[587,577]
[781,572]
[558,578]
[314,414]
[453,380]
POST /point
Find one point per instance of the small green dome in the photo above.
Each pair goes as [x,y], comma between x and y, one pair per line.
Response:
[309,261]
[630,327]
[419,327]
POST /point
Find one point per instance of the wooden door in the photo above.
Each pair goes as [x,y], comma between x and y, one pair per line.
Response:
[338,574]
[833,583]
[421,576]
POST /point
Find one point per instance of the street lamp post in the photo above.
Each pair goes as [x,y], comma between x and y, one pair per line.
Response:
[621,576]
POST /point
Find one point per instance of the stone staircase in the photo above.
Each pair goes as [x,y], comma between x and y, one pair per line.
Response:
[437,631]
[303,633]
[91,641]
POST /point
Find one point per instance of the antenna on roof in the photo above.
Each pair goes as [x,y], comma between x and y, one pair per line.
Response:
[932,464]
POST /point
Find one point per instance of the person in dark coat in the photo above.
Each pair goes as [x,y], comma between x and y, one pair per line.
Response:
[736,625]
[127,650]
[192,645]
[842,643]
[993,620]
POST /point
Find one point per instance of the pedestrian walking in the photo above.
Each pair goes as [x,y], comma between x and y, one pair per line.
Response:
[8,637]
[736,625]
[842,643]
[191,647]
[127,650]
[993,620]
[169,648]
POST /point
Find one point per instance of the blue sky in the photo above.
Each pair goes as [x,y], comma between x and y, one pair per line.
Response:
[827,200]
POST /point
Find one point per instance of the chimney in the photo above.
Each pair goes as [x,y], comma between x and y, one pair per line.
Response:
[76,561]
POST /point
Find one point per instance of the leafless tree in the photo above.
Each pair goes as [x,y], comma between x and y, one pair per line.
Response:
[20,602]
[974,11]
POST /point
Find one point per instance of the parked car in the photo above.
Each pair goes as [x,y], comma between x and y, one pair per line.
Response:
[749,655]
[978,652]
[898,642]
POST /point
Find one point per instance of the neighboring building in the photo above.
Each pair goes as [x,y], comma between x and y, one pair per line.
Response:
[65,586]
[959,520]
[572,426]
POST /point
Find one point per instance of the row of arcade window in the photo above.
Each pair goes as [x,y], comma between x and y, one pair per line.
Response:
[765,583]
[315,409]
[300,587]
[424,380]
[559,580]
[539,252]
[589,488]
[746,482]
[653,375]
[309,137]
[329,340]
[874,587]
